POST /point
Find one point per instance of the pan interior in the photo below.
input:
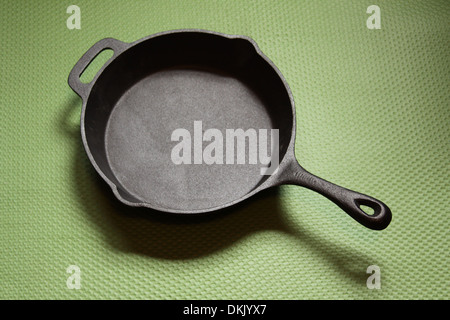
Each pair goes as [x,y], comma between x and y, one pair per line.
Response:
[138,125]
[139,146]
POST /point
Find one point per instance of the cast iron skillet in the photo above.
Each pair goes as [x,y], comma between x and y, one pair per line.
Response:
[167,81]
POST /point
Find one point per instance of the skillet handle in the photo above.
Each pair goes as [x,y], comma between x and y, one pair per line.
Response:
[83,89]
[348,200]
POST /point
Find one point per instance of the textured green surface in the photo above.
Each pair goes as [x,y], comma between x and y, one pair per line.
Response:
[373,114]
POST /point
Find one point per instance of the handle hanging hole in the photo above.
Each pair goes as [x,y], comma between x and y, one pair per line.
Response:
[95,65]
[369,207]
[367,210]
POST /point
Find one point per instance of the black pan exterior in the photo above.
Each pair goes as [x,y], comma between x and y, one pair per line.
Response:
[170,80]
[167,81]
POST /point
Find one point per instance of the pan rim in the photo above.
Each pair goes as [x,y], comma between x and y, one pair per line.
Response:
[273,180]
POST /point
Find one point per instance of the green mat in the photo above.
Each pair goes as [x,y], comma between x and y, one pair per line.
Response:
[372,113]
